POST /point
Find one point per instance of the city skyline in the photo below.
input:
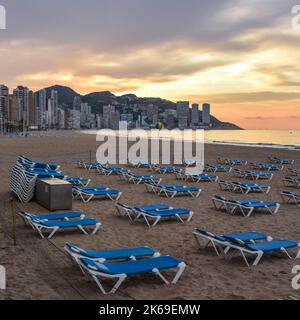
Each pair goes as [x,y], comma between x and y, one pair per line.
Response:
[21,109]
[242,58]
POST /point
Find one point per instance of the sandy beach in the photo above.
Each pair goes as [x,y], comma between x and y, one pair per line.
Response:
[38,269]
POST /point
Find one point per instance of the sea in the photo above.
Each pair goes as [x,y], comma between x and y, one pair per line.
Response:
[286,139]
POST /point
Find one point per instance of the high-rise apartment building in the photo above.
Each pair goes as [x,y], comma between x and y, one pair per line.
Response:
[22,93]
[77,103]
[183,114]
[206,113]
[41,105]
[195,114]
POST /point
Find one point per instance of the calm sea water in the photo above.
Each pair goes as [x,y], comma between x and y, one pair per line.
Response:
[283,138]
[265,138]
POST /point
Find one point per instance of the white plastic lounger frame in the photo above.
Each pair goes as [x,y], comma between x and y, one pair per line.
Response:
[148,216]
[87,197]
[248,210]
[259,254]
[53,229]
[211,240]
[95,274]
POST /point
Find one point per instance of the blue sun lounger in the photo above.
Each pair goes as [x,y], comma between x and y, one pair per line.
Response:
[294,172]
[291,182]
[203,177]
[223,241]
[141,178]
[248,243]
[217,168]
[157,215]
[171,191]
[280,161]
[28,216]
[157,188]
[106,170]
[165,169]
[54,226]
[247,187]
[246,207]
[122,270]
[267,166]
[257,175]
[290,197]
[76,253]
[259,249]
[78,181]
[88,193]
[129,211]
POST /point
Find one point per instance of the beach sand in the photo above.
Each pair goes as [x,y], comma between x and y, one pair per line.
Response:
[37,269]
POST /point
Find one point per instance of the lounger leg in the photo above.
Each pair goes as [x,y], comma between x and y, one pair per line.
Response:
[298,255]
[258,258]
[181,268]
[82,229]
[99,284]
[249,213]
[98,225]
[117,285]
[277,208]
[190,216]
[156,221]
[179,218]
[53,232]
[156,271]
[285,251]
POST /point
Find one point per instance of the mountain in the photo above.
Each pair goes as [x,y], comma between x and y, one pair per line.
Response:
[65,94]
[98,99]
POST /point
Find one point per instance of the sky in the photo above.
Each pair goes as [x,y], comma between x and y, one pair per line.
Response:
[241,56]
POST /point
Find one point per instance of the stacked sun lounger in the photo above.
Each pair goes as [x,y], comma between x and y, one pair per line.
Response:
[25,173]
[155,212]
[290,197]
[37,164]
[280,161]
[172,190]
[86,194]
[250,243]
[245,206]
[51,223]
[266,166]
[243,187]
[123,263]
[140,178]
[291,182]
